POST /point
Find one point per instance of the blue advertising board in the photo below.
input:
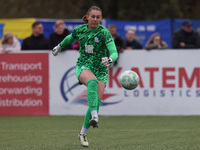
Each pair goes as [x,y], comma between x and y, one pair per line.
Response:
[144,29]
[1,30]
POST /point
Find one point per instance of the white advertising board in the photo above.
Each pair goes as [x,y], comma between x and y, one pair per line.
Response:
[170,84]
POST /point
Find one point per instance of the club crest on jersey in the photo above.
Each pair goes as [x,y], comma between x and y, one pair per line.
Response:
[96,39]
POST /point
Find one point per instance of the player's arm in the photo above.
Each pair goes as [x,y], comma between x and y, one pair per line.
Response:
[113,54]
[67,40]
[113,50]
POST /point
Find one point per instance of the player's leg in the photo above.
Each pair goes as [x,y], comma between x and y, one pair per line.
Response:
[95,121]
[100,91]
[89,80]
[88,116]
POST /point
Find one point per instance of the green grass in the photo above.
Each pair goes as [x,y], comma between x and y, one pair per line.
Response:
[114,133]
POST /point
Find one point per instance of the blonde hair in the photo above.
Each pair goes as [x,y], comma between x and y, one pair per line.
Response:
[84,18]
[59,22]
[6,37]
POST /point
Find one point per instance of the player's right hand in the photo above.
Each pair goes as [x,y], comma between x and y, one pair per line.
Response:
[56,50]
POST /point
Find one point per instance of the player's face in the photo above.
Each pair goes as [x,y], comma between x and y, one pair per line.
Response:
[94,18]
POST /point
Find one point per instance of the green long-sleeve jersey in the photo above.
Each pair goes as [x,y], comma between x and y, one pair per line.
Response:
[93,44]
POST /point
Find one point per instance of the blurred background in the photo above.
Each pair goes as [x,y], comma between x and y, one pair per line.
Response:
[112,9]
[162,113]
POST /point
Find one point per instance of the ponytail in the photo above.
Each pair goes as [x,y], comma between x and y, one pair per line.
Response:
[85,19]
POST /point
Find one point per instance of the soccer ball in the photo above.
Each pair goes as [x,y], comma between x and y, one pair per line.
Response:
[129,80]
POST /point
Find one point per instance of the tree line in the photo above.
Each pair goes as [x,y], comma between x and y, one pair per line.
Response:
[112,9]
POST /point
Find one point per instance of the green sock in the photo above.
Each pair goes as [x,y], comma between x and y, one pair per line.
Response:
[92,98]
[88,116]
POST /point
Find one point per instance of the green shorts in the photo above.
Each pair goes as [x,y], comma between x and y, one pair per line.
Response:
[101,75]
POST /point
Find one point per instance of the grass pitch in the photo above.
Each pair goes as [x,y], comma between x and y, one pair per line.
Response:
[114,133]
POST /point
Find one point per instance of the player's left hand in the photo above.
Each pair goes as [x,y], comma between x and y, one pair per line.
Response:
[106,61]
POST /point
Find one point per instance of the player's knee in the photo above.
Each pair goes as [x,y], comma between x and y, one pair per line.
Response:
[92,84]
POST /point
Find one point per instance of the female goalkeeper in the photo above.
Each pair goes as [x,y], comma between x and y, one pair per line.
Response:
[92,64]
